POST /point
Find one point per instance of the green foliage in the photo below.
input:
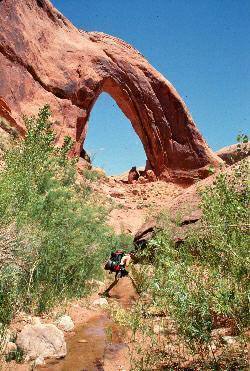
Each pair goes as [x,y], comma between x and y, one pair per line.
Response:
[60,236]
[92,175]
[16,355]
[208,275]
[242,138]
[204,282]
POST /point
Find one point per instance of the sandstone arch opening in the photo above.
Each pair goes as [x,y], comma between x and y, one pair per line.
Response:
[111,140]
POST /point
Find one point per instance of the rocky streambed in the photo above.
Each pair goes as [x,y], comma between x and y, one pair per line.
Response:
[98,343]
[86,339]
[94,346]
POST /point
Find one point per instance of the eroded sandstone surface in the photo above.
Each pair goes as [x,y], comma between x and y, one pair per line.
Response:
[45,59]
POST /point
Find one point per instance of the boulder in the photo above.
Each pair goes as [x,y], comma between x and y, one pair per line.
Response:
[39,361]
[65,323]
[101,302]
[142,180]
[234,153]
[34,320]
[184,208]
[145,233]
[230,340]
[133,175]
[150,175]
[45,341]
[184,213]
[45,59]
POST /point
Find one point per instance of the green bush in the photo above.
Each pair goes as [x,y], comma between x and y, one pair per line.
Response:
[92,175]
[204,283]
[208,275]
[59,234]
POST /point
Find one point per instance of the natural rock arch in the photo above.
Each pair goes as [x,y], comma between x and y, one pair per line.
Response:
[126,105]
[45,59]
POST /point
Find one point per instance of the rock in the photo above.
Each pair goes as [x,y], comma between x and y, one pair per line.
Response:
[220,332]
[133,175]
[83,165]
[41,341]
[234,153]
[10,126]
[142,180]
[39,361]
[213,346]
[179,233]
[191,217]
[229,340]
[34,320]
[38,68]
[84,156]
[117,194]
[150,175]
[189,221]
[65,323]
[101,302]
[145,233]
[135,192]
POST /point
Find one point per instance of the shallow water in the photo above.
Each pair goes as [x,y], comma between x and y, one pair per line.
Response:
[98,341]
[89,347]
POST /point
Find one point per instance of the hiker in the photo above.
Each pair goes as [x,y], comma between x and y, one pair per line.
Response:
[117,263]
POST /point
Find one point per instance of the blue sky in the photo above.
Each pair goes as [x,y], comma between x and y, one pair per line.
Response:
[201,47]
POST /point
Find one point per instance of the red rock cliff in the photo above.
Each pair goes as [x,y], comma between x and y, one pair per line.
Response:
[45,59]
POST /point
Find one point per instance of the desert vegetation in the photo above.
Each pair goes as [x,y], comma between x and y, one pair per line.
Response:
[53,232]
[194,310]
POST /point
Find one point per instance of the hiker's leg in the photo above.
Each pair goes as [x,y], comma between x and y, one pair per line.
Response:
[111,286]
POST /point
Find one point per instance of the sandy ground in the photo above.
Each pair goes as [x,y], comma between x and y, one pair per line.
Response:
[133,204]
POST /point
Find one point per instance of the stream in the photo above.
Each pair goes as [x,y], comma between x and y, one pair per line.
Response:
[90,347]
[97,344]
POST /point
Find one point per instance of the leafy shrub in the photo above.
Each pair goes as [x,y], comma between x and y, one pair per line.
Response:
[209,273]
[204,283]
[59,234]
[92,175]
[207,277]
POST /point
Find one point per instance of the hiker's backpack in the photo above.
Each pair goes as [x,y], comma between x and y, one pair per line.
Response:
[113,264]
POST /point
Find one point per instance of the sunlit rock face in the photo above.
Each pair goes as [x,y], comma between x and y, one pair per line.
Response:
[45,59]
